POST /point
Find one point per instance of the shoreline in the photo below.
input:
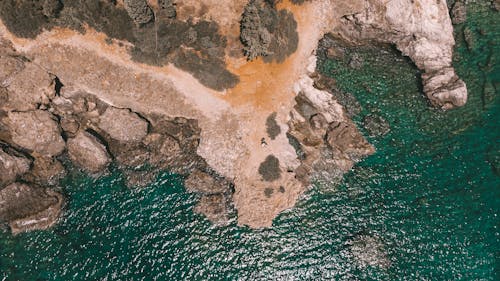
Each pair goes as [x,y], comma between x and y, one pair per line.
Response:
[232,142]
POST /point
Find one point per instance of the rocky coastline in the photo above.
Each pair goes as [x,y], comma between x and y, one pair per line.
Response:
[199,107]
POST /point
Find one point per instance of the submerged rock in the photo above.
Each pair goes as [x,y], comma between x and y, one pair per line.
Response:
[376,125]
[459,12]
[368,250]
[214,207]
[202,182]
[87,152]
[27,207]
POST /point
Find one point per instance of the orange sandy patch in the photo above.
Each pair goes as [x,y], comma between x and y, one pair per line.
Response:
[263,86]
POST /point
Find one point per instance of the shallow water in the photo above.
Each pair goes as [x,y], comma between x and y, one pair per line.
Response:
[430,193]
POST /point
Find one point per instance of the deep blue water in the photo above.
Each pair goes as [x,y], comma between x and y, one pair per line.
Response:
[431,193]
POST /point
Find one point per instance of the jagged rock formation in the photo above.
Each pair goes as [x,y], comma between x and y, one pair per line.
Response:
[330,142]
[421,30]
[155,85]
[94,134]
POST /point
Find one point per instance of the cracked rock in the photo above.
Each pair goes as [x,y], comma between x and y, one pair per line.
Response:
[123,125]
[36,131]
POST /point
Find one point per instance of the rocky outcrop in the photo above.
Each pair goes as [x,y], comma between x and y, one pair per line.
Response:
[123,125]
[495,5]
[26,207]
[12,167]
[53,121]
[46,171]
[421,30]
[202,182]
[87,152]
[36,131]
[444,88]
[162,85]
[214,208]
[329,141]
[27,85]
[215,195]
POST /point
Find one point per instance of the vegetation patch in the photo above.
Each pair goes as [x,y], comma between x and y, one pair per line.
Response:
[158,38]
[267,32]
[270,168]
[272,127]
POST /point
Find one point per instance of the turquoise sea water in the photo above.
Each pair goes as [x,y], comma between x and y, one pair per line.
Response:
[431,193]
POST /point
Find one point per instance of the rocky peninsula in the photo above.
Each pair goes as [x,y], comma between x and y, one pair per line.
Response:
[226,94]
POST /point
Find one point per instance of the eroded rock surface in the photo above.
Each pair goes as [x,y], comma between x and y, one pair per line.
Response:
[36,131]
[157,85]
[26,207]
[12,167]
[421,30]
[123,125]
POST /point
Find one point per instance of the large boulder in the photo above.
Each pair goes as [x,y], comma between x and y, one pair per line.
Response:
[123,125]
[11,167]
[36,131]
[444,89]
[26,207]
[87,152]
[28,86]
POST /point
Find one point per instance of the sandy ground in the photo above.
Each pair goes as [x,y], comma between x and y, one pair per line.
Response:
[232,122]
